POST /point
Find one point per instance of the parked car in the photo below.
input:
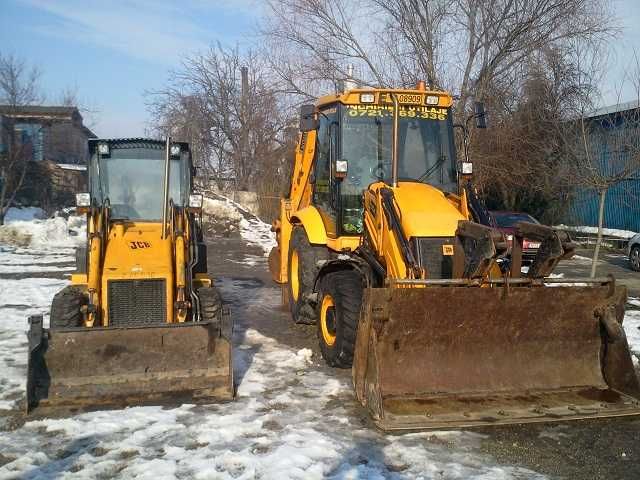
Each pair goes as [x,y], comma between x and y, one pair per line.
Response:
[633,251]
[506,222]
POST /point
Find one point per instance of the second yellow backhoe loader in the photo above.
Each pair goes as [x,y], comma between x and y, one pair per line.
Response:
[383,243]
[141,321]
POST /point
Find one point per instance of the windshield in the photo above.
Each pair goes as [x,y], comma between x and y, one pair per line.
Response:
[426,152]
[506,220]
[132,180]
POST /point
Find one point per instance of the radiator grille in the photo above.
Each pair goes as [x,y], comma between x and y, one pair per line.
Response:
[137,302]
[430,256]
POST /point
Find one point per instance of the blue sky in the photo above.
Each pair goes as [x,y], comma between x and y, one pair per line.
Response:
[112,51]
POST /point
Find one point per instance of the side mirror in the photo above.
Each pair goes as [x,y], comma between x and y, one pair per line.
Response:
[480,115]
[308,120]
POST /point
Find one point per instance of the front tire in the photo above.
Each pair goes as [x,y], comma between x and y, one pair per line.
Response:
[338,311]
[66,308]
[302,271]
[634,258]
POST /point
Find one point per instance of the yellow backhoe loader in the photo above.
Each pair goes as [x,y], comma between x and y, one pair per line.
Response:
[141,321]
[384,244]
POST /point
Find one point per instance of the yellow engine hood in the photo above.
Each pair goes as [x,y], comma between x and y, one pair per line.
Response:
[135,250]
[425,211]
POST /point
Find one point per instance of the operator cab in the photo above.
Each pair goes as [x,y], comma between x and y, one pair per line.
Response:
[355,148]
[127,176]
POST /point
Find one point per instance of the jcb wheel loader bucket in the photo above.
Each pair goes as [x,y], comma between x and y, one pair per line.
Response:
[102,367]
[452,356]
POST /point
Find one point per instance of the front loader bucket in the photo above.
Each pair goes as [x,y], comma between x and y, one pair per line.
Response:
[455,356]
[101,367]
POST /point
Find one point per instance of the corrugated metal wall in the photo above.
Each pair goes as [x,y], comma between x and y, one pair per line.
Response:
[613,138]
[622,207]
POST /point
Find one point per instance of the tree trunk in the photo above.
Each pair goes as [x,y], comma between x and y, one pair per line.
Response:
[602,195]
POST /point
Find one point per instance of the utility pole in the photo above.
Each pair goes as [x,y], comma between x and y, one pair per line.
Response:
[244,122]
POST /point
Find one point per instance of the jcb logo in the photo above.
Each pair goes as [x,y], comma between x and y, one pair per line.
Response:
[137,245]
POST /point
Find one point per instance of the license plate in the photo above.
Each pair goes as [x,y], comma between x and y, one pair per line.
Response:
[410,98]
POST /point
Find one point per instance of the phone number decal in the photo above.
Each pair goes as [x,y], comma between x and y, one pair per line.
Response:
[405,111]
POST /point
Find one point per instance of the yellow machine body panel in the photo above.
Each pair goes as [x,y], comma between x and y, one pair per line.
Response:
[135,251]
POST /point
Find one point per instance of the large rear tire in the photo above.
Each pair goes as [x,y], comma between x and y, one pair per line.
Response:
[66,308]
[338,310]
[302,271]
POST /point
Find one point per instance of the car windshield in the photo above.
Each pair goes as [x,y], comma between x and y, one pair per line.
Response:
[132,180]
[506,220]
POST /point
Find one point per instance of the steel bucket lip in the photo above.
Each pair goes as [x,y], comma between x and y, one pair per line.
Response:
[550,406]
[131,327]
[391,426]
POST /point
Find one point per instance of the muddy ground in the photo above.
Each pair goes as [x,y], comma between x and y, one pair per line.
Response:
[600,449]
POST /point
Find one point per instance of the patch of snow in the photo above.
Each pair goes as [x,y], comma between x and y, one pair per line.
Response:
[35,268]
[290,420]
[24,214]
[18,300]
[221,209]
[611,232]
[581,259]
[256,232]
[46,234]
[253,230]
[72,166]
[631,326]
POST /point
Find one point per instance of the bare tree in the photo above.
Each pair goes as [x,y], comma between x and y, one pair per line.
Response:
[465,46]
[237,127]
[19,86]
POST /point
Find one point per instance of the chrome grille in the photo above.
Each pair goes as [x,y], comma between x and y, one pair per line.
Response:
[429,252]
[137,302]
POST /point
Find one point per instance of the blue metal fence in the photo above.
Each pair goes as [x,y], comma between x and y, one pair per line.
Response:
[614,136]
[622,207]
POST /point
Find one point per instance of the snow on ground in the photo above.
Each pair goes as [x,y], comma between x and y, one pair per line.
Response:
[253,230]
[612,232]
[632,327]
[290,420]
[57,232]
[18,300]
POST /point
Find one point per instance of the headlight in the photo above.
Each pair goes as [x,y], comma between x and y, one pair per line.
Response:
[467,168]
[367,98]
[83,200]
[103,148]
[341,166]
[195,201]
[175,150]
[433,100]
